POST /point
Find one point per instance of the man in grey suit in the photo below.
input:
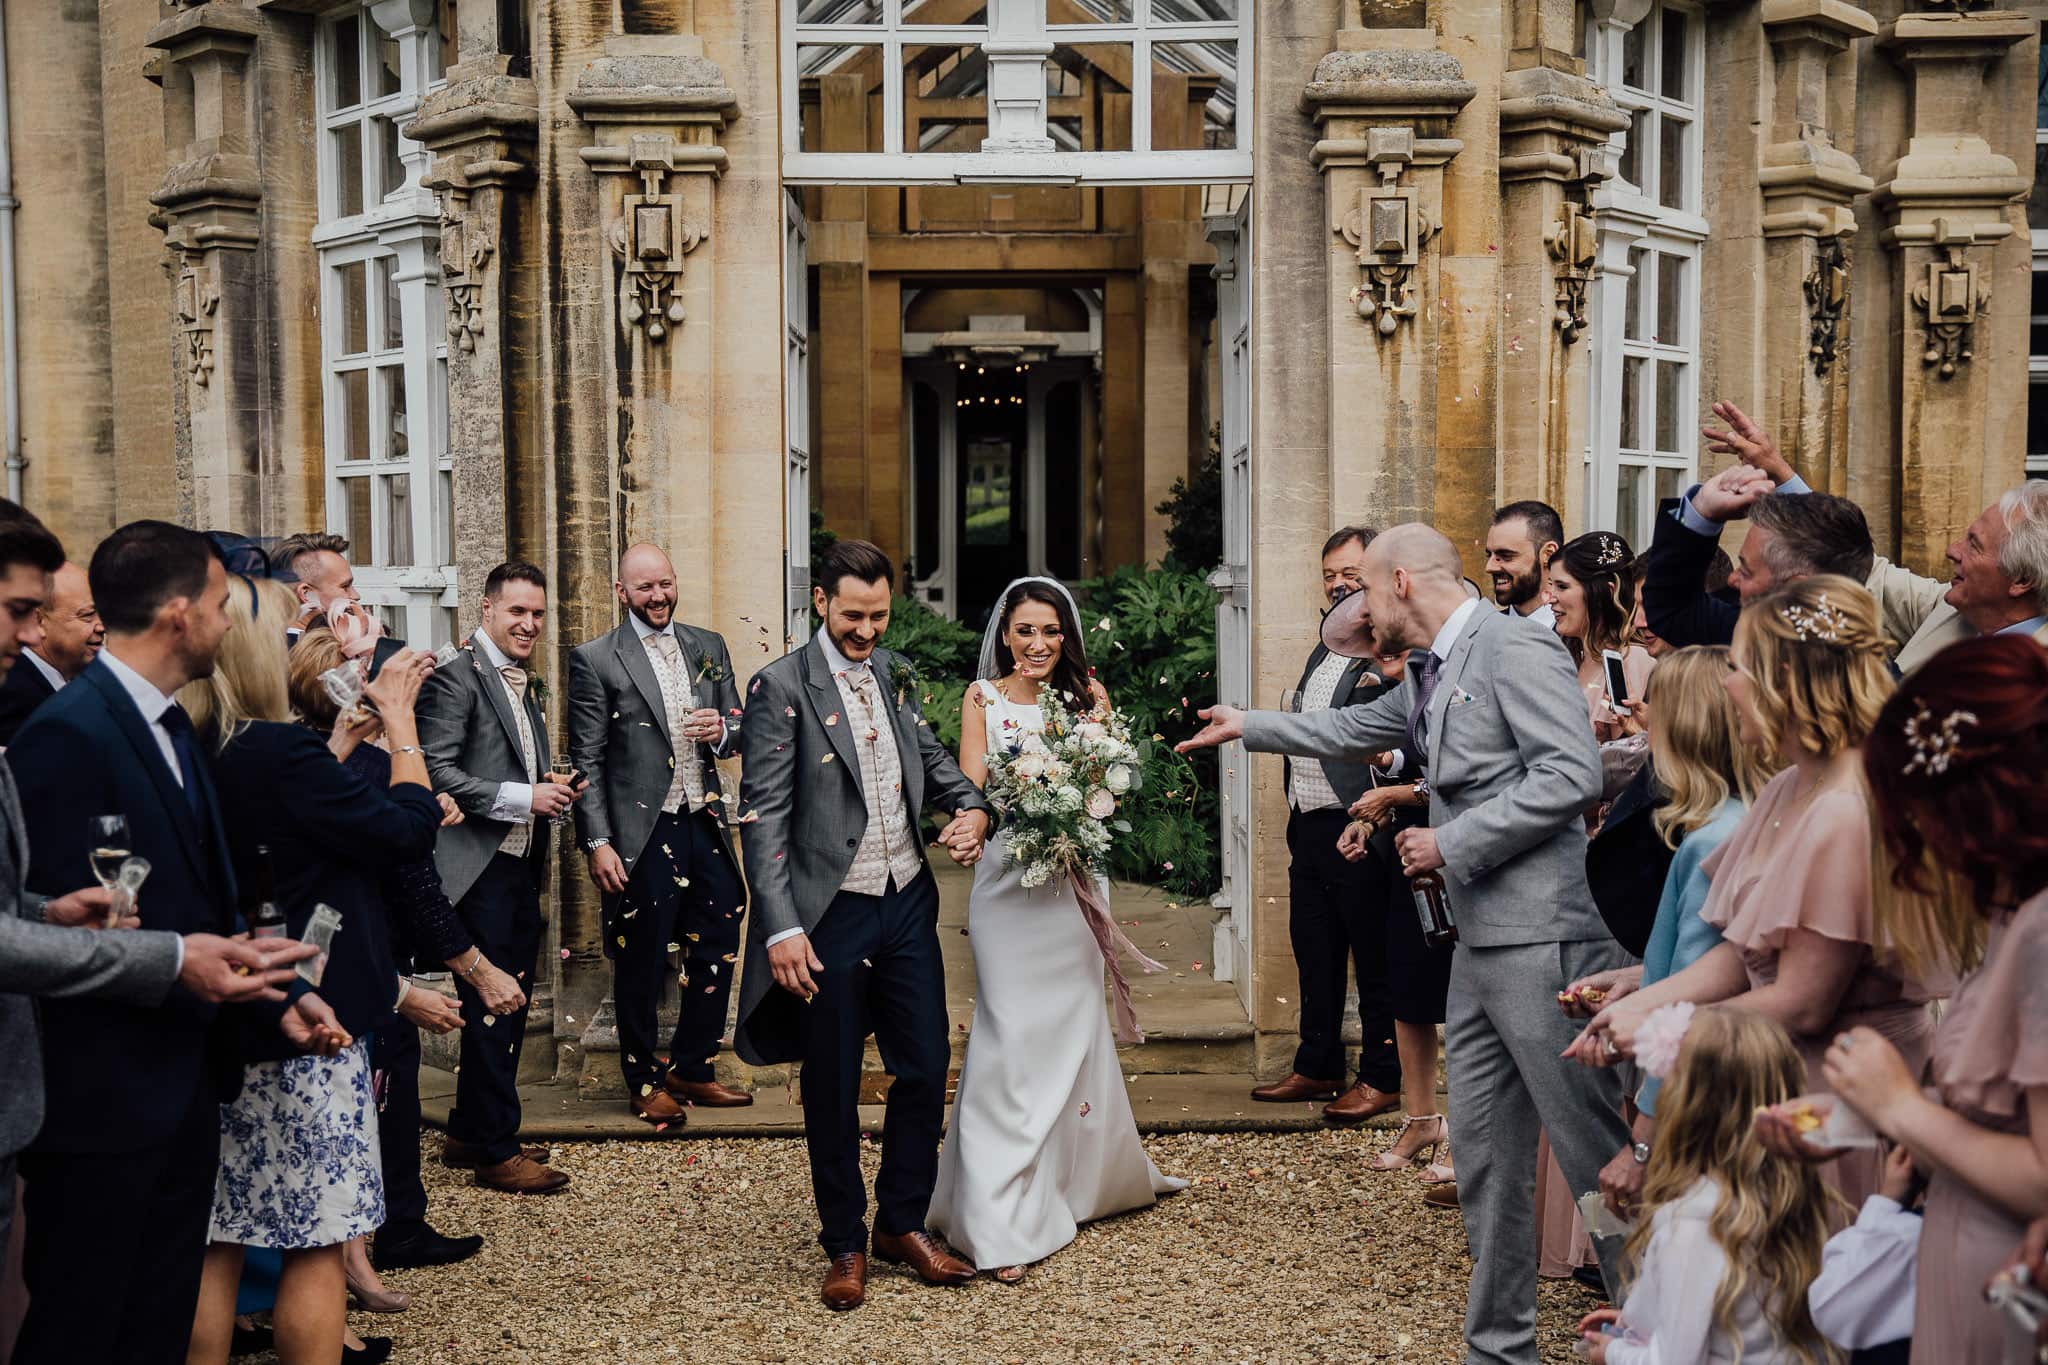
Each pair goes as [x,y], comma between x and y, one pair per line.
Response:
[42,954]
[486,742]
[1493,700]
[844,939]
[652,707]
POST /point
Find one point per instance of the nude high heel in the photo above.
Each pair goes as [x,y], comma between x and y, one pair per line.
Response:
[1391,1160]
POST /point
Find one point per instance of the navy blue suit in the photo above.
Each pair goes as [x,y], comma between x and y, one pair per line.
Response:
[122,1174]
[21,692]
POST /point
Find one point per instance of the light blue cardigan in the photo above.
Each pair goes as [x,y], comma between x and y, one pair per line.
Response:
[1679,937]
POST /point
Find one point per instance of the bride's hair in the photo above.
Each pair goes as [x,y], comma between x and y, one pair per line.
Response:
[1070,673]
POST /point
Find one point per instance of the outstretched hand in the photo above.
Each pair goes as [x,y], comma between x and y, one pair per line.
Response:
[1730,494]
[1747,442]
[1225,724]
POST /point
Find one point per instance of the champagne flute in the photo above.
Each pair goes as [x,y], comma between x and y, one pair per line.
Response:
[107,840]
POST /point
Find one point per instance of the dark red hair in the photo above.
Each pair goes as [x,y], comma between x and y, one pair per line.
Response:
[1958,767]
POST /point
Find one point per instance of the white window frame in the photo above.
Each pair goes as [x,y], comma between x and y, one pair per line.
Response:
[1636,229]
[1019,40]
[416,600]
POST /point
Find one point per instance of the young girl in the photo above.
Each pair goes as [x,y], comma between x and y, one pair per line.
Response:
[1734,1235]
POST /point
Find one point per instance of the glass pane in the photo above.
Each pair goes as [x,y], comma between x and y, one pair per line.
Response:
[391,391]
[1677,29]
[839,101]
[940,12]
[348,170]
[1631,167]
[355,309]
[393,337]
[1632,57]
[2038,335]
[1097,12]
[398,519]
[2041,91]
[1628,496]
[1670,388]
[1673,272]
[945,98]
[1096,74]
[1208,73]
[1673,191]
[1670,482]
[355,414]
[987,494]
[345,62]
[444,507]
[392,172]
[355,502]
[393,617]
[1632,318]
[388,66]
[2037,202]
[444,49]
[1631,404]
[444,627]
[839,12]
[1194,11]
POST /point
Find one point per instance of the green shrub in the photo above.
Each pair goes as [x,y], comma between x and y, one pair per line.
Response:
[1194,512]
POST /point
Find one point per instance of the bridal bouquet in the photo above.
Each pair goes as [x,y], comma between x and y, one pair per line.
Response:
[1059,791]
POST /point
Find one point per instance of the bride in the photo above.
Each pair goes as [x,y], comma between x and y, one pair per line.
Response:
[1043,1138]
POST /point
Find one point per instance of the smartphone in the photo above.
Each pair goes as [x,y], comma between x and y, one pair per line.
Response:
[1617,682]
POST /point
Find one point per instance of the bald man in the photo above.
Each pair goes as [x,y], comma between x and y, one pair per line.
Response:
[1492,699]
[652,707]
[72,636]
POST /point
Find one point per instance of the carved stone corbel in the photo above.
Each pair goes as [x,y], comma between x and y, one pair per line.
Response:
[1827,294]
[650,235]
[1390,229]
[198,299]
[1952,295]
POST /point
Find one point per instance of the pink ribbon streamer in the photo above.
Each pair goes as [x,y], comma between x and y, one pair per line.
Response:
[1112,940]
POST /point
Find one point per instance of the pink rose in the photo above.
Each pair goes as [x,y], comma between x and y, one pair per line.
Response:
[1101,805]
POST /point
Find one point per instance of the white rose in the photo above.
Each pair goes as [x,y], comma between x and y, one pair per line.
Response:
[1117,779]
[1034,743]
[1101,805]
[1091,731]
[1031,766]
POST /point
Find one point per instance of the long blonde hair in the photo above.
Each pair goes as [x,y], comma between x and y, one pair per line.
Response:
[1772,1218]
[248,679]
[1820,661]
[1695,744]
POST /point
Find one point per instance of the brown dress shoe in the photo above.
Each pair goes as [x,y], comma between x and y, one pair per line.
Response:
[521,1176]
[1360,1103]
[710,1094]
[846,1282]
[658,1108]
[466,1156]
[924,1253]
[1444,1196]
[1296,1087]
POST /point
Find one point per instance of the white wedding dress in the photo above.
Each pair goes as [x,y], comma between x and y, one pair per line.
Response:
[1042,1138]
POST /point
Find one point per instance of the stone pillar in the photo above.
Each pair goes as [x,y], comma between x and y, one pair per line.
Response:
[1948,207]
[1384,114]
[208,206]
[1809,180]
[1554,130]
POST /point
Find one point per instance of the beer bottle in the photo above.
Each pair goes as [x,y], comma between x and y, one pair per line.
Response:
[267,920]
[1433,908]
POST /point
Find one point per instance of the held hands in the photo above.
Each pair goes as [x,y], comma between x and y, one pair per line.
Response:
[965,836]
[430,1010]
[87,908]
[1225,724]
[311,1026]
[1747,442]
[607,870]
[231,971]
[1418,851]
[553,794]
[792,962]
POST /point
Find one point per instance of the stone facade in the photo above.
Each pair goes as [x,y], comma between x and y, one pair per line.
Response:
[586,211]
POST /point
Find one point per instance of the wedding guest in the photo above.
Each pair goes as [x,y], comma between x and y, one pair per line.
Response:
[1592,594]
[424,930]
[71,636]
[486,742]
[1337,910]
[1655,645]
[1791,890]
[1710,778]
[1520,544]
[316,564]
[1723,1260]
[131,1188]
[1956,765]
[1862,1300]
[652,707]
[299,1167]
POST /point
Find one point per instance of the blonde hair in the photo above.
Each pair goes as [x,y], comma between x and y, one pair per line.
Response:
[317,651]
[248,679]
[1820,662]
[1695,743]
[1772,1218]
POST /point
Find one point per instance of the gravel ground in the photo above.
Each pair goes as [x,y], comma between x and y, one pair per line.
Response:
[1286,1249]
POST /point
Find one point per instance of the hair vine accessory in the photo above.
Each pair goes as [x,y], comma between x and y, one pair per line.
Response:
[1821,621]
[1613,551]
[1934,745]
[1661,1035]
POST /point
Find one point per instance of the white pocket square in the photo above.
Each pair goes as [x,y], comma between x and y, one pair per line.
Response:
[1459,696]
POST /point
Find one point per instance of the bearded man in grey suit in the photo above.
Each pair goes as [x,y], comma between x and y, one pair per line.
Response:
[1494,702]
[844,938]
[652,706]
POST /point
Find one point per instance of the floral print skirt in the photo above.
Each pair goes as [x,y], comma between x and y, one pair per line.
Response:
[298,1154]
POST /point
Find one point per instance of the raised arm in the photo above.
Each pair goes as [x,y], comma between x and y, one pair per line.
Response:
[1675,598]
[1357,732]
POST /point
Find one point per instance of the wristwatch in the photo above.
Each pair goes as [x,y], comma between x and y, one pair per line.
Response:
[1641,1152]
[593,845]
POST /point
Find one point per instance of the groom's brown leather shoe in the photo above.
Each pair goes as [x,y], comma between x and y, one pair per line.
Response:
[1360,1103]
[846,1282]
[710,1094]
[1297,1087]
[925,1254]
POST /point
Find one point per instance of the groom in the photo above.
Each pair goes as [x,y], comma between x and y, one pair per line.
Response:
[843,940]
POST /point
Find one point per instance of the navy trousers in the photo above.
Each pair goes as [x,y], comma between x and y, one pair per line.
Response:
[686,895]
[502,913]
